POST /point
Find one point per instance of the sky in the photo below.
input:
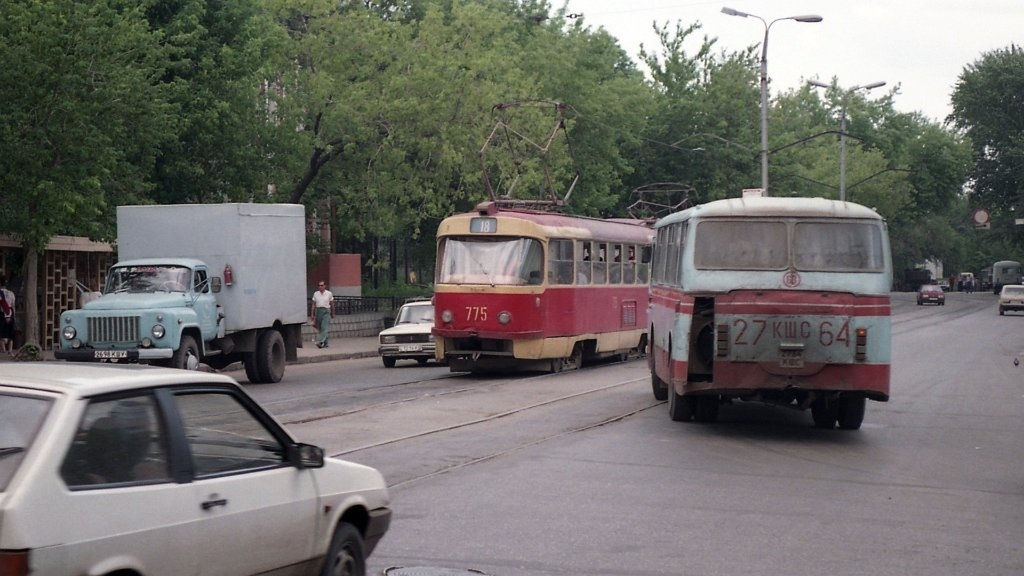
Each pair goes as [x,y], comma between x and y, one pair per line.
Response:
[919,46]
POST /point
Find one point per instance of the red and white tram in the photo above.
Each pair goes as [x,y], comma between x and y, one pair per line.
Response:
[537,290]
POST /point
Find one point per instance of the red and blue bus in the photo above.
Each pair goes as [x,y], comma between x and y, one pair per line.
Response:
[778,300]
[519,288]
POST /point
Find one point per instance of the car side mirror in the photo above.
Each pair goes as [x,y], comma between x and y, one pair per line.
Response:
[308,456]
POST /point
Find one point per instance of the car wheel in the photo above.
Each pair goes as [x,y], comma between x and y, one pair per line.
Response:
[388,361]
[346,556]
[422,361]
[1001,311]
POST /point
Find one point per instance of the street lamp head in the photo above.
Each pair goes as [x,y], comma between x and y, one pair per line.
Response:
[818,84]
[872,85]
[808,18]
[734,12]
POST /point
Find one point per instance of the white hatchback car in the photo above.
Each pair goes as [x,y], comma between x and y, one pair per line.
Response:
[148,471]
[1011,299]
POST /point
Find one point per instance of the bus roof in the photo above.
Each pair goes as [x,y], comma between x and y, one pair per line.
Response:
[758,206]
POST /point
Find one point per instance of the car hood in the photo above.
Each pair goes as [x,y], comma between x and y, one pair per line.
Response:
[407,329]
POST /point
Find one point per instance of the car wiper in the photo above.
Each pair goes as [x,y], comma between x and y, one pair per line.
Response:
[8,450]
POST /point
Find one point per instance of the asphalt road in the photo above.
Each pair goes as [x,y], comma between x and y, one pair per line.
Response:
[584,473]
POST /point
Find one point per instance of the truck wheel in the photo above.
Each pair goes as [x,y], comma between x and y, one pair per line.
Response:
[252,371]
[186,357]
[270,356]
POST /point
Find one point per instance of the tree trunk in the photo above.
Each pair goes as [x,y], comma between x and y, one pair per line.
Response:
[30,295]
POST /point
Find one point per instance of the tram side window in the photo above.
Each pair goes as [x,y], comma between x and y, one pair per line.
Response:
[560,260]
[601,265]
[615,264]
[741,245]
[643,267]
[584,267]
[629,265]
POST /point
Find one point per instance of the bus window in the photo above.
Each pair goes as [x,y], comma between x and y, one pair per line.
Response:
[560,259]
[735,245]
[492,260]
[838,246]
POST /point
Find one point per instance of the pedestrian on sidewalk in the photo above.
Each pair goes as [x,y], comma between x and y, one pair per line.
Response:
[7,327]
[321,311]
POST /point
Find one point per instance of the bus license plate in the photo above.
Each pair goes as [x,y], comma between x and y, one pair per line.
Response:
[791,358]
[109,354]
[409,348]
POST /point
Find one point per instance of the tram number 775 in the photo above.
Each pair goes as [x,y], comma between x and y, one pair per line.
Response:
[829,332]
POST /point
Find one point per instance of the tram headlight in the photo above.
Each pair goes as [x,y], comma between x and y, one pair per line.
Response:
[447,316]
[504,317]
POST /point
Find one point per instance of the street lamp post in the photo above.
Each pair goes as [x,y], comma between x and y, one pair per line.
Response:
[842,127]
[764,81]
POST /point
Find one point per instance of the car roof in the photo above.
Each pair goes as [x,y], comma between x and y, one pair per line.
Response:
[83,380]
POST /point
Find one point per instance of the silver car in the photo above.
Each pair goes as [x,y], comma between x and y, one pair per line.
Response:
[1011,298]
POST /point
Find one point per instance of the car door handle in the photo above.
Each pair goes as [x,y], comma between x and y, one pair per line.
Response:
[211,503]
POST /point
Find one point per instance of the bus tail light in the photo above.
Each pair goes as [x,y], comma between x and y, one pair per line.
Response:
[14,562]
[722,339]
[862,344]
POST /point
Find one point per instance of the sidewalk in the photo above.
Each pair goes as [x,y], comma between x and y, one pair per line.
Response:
[338,349]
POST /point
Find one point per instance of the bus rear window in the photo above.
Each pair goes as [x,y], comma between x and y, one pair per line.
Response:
[736,245]
[838,246]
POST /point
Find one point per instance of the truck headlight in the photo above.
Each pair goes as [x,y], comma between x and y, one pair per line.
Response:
[69,332]
[158,331]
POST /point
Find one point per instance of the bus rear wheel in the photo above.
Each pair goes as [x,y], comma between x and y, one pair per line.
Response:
[851,411]
[824,413]
[680,408]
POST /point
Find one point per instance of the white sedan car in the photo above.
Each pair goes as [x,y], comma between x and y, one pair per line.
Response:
[146,471]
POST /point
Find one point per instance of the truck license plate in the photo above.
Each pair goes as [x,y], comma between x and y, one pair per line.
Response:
[409,348]
[109,354]
[791,358]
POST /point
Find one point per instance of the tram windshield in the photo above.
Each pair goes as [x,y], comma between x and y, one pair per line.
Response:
[491,260]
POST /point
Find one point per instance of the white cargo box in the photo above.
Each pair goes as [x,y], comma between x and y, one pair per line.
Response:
[265,245]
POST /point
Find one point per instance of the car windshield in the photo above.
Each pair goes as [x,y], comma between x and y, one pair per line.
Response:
[1013,290]
[930,288]
[421,314]
[20,419]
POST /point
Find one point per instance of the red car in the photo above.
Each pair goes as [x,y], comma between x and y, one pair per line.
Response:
[931,293]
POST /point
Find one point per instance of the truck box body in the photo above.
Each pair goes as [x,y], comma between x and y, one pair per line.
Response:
[199,283]
[265,245]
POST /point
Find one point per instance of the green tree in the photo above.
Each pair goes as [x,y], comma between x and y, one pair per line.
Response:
[82,113]
[988,108]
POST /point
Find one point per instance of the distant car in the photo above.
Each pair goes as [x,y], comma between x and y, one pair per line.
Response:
[1011,298]
[931,293]
[944,284]
[410,337]
[154,471]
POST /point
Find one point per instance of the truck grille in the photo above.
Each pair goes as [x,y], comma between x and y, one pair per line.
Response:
[114,329]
